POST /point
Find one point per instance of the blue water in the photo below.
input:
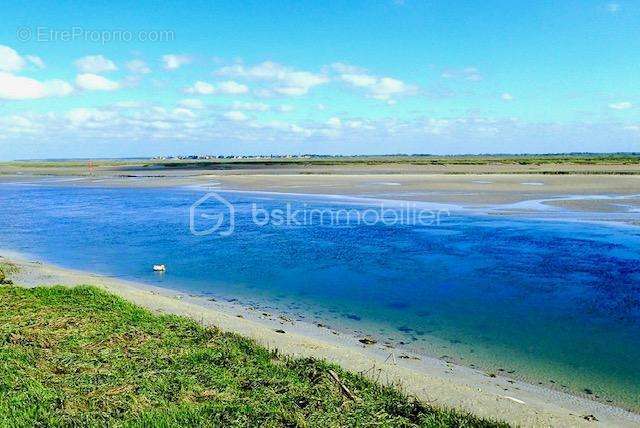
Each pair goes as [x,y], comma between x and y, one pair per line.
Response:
[550,302]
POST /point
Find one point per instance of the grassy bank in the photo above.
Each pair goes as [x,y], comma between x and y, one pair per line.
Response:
[82,357]
[6,270]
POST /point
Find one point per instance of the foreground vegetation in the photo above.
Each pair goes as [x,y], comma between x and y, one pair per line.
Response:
[82,357]
[6,270]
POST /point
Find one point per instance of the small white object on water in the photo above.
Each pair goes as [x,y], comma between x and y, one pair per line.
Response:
[159,268]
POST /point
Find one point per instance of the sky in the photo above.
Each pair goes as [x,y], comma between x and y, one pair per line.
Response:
[123,79]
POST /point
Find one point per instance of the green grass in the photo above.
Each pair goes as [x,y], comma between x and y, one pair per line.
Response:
[498,159]
[551,159]
[7,269]
[82,357]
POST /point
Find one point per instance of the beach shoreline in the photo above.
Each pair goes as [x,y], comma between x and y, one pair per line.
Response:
[430,379]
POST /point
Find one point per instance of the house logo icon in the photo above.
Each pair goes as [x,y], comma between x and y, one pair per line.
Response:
[211,214]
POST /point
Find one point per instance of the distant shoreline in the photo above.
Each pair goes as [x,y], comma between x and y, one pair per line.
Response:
[430,379]
[566,156]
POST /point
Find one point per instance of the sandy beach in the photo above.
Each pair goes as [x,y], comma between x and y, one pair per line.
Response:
[429,379]
[605,193]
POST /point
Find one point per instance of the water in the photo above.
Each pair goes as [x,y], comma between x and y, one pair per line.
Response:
[550,302]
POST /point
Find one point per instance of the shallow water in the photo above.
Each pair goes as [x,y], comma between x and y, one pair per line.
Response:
[550,302]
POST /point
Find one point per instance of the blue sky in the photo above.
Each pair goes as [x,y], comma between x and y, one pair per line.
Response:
[413,76]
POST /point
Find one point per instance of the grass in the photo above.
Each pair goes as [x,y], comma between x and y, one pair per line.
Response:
[6,269]
[551,159]
[83,357]
[552,164]
[498,159]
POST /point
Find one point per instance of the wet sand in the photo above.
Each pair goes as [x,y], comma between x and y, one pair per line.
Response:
[609,197]
[430,379]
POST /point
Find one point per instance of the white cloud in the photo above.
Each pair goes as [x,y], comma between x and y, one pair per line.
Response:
[173,62]
[285,108]
[94,82]
[228,88]
[231,87]
[129,104]
[471,74]
[147,120]
[183,113]
[382,88]
[14,87]
[16,124]
[10,60]
[161,125]
[250,106]
[236,116]
[57,88]
[507,97]
[23,88]
[623,105]
[613,7]
[387,87]
[343,68]
[291,91]
[17,121]
[360,80]
[287,128]
[334,122]
[358,124]
[201,88]
[35,60]
[138,66]
[287,81]
[95,64]
[192,103]
[89,117]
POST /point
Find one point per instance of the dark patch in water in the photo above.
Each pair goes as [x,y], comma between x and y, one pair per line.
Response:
[398,305]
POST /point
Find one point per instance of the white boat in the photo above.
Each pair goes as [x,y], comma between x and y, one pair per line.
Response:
[159,268]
